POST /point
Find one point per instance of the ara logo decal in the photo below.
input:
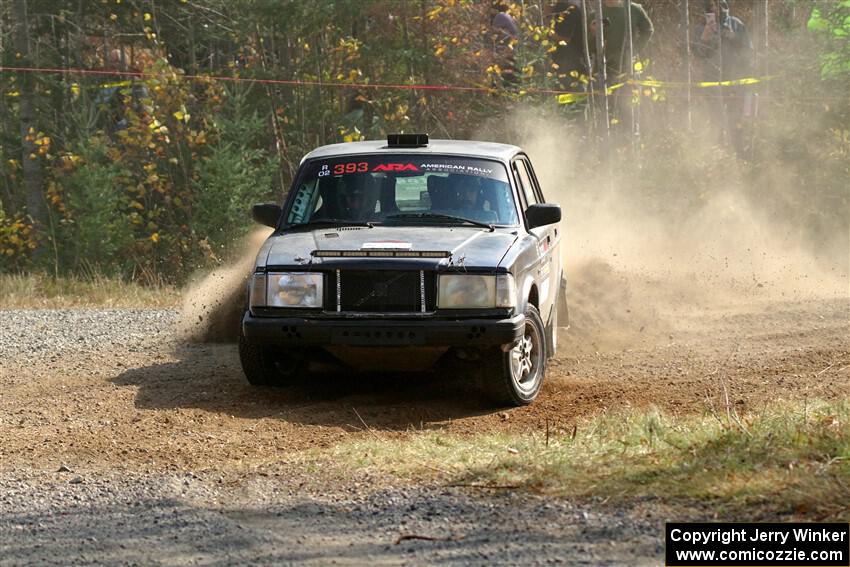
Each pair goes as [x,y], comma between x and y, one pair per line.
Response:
[396,167]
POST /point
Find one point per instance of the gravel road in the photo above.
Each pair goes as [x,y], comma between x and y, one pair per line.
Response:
[119,445]
[186,519]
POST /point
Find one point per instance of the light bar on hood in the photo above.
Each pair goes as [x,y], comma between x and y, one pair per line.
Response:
[379,254]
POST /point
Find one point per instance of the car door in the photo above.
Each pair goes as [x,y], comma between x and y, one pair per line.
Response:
[529,195]
[553,241]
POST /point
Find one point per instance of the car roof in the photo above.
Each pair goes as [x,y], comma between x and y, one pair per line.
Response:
[468,148]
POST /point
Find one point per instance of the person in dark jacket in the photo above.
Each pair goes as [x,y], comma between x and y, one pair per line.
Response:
[569,58]
[505,35]
[723,45]
[616,34]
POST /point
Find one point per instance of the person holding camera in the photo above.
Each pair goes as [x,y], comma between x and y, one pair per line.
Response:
[724,46]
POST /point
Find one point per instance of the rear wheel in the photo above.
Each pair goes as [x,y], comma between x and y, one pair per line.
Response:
[514,377]
[264,366]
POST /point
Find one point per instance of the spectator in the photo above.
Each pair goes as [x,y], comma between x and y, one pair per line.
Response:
[505,33]
[616,36]
[569,58]
[723,43]
[725,48]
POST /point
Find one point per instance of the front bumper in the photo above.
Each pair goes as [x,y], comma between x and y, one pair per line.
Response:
[303,331]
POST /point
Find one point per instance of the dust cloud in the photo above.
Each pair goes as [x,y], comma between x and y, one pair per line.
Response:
[649,245]
[213,307]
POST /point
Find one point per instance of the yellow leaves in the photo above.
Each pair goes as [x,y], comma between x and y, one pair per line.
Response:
[147,17]
[434,13]
[137,205]
[16,236]
[354,74]
[182,115]
[155,237]
[638,66]
[350,135]
[306,46]
[440,50]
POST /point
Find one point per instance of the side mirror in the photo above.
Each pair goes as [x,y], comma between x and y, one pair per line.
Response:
[266,213]
[542,214]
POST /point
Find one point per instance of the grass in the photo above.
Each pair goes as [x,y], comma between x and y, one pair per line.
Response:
[787,460]
[34,291]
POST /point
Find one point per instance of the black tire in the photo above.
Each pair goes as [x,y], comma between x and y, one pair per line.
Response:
[506,379]
[266,367]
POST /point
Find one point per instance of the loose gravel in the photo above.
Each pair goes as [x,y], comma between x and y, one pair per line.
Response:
[187,519]
[38,333]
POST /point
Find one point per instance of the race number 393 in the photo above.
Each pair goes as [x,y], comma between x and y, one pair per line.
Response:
[767,544]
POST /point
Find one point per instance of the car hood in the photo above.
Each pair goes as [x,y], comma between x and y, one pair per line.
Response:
[466,247]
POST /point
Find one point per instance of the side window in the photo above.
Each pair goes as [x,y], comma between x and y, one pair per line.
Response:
[537,190]
[525,181]
[304,203]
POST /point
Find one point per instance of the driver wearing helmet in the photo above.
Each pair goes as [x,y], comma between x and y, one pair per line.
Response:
[468,193]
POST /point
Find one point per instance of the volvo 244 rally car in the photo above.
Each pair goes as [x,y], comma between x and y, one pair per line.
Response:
[438,249]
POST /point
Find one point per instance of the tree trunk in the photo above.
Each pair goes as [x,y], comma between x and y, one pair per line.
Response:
[30,163]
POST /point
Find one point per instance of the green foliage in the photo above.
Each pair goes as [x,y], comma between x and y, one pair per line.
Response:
[235,174]
[831,22]
[95,233]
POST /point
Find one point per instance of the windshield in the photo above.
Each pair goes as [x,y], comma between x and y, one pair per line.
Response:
[401,189]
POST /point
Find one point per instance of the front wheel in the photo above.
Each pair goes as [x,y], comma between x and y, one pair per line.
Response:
[515,377]
[264,366]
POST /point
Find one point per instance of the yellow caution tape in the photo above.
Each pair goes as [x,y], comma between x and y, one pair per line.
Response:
[570,98]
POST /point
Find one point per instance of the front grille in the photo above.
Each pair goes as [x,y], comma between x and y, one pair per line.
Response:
[381,291]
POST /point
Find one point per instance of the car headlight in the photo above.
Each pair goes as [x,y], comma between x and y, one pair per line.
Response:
[287,289]
[472,291]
